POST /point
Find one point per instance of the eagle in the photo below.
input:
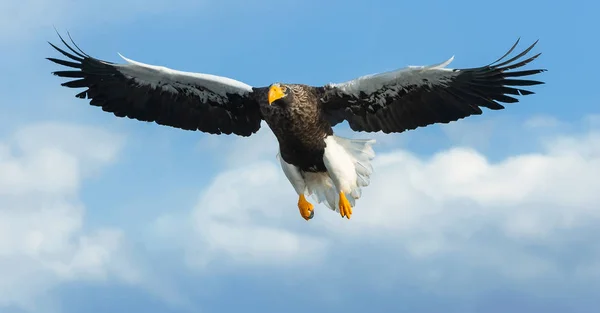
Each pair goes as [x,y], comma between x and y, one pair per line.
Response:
[319,164]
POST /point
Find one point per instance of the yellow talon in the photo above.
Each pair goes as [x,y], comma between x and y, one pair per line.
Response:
[306,208]
[345,207]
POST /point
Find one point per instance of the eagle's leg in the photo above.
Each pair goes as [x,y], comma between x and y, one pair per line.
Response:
[306,208]
[296,178]
[341,168]
[345,206]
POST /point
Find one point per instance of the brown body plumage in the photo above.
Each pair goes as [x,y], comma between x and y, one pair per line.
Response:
[299,125]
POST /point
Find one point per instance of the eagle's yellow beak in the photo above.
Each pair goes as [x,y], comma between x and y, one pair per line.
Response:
[275,93]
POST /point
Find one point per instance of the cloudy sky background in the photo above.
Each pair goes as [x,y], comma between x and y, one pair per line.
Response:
[494,213]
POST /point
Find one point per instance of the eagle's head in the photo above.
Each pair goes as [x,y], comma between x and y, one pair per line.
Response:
[280,95]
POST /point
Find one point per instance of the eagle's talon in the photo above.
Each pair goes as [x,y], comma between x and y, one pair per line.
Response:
[306,208]
[345,207]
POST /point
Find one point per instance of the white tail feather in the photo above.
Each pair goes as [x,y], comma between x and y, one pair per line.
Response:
[321,185]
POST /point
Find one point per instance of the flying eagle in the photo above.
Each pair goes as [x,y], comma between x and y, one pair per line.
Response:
[330,168]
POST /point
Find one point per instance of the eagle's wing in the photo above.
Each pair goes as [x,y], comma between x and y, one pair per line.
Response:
[190,101]
[414,96]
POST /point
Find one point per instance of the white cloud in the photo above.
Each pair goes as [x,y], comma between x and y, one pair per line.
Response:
[472,132]
[259,146]
[42,237]
[429,210]
[543,121]
[236,220]
[593,120]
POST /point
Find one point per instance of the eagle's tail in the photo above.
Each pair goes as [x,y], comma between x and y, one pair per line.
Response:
[360,153]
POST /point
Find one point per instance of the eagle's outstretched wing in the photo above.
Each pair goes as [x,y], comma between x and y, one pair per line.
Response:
[414,96]
[191,101]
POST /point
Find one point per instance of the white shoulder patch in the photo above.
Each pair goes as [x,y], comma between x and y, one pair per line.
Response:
[163,77]
[411,75]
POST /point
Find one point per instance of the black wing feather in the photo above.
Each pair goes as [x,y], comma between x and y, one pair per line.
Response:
[123,96]
[414,105]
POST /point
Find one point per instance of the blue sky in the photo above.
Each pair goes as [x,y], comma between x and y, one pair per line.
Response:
[494,213]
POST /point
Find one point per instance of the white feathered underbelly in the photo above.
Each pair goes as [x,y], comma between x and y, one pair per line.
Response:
[348,163]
